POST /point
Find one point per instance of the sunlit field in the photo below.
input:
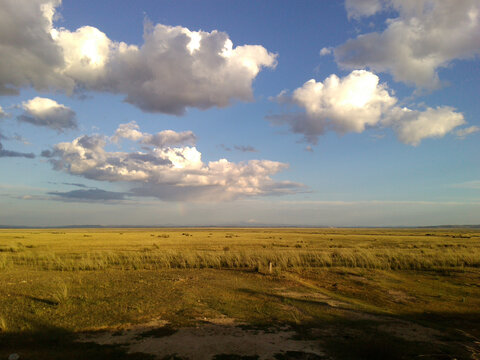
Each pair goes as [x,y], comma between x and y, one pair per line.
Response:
[326,293]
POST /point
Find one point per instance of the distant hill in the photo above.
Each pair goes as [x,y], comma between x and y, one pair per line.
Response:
[240,225]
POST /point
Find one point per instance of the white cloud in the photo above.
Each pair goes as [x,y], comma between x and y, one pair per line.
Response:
[170,173]
[168,73]
[326,51]
[357,102]
[425,36]
[161,139]
[2,113]
[86,52]
[463,133]
[47,112]
[175,68]
[359,8]
[412,126]
[345,105]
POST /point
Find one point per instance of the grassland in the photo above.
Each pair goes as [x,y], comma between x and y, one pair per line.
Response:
[356,293]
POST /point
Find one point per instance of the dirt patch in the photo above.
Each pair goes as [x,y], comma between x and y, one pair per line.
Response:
[411,331]
[223,338]
[124,334]
[157,333]
[205,342]
[310,296]
[223,320]
[405,330]
[214,338]
[401,297]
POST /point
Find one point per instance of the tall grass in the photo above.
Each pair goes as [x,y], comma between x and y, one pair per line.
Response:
[3,324]
[60,292]
[243,249]
[247,259]
[4,261]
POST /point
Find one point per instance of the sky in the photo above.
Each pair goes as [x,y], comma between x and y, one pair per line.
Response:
[239,113]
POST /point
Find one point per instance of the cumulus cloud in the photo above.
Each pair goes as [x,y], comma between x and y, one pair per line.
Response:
[345,105]
[177,68]
[356,102]
[211,192]
[348,104]
[29,55]
[167,172]
[425,36]
[86,156]
[2,113]
[359,8]
[47,112]
[463,133]
[173,69]
[412,126]
[163,138]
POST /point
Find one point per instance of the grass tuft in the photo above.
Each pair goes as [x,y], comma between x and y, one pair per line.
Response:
[60,293]
[3,324]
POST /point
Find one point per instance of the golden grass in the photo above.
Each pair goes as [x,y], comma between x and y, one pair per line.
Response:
[3,324]
[76,280]
[252,249]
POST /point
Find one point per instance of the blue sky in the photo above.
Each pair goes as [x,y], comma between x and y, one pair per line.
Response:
[318,113]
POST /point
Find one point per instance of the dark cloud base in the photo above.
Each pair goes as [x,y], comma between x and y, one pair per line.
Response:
[9,153]
[90,195]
